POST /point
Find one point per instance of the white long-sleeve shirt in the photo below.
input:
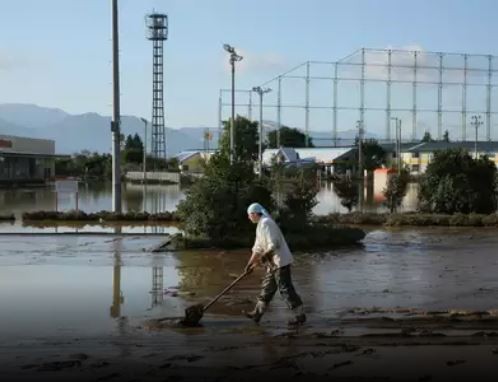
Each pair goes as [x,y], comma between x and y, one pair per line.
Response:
[269,237]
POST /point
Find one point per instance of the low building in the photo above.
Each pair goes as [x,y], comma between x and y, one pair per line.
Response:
[26,160]
[416,156]
[329,158]
[193,162]
[289,157]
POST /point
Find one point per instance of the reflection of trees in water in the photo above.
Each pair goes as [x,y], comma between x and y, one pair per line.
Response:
[153,198]
[348,192]
[94,196]
[21,200]
[133,198]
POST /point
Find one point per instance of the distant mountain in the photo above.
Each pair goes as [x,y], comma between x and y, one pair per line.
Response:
[89,131]
[9,128]
[30,115]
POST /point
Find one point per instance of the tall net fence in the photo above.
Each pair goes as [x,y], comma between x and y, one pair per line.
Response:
[428,91]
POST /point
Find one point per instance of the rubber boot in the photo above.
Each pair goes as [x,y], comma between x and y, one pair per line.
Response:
[299,316]
[257,312]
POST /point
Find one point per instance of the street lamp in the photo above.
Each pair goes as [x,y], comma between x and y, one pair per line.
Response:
[261,92]
[144,166]
[234,57]
[398,141]
[476,122]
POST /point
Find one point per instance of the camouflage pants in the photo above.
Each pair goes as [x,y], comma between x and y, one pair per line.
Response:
[279,279]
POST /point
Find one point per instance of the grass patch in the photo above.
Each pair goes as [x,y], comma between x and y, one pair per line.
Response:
[102,216]
[10,217]
[413,219]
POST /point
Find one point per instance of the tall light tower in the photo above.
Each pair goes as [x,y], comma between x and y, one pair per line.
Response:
[261,92]
[476,122]
[157,31]
[234,57]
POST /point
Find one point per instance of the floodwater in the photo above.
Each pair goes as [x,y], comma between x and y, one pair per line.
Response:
[81,285]
[94,197]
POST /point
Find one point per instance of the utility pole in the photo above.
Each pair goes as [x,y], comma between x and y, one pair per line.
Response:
[476,122]
[359,126]
[144,165]
[398,134]
[398,142]
[116,118]
[234,57]
[361,185]
[260,92]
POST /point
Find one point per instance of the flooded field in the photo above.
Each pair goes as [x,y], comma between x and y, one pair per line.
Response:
[96,294]
[94,197]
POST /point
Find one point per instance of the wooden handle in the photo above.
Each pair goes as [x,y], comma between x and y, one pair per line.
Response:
[226,289]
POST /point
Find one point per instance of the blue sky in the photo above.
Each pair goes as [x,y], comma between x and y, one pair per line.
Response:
[57,53]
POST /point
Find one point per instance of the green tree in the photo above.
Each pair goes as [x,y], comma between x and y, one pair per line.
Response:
[173,164]
[427,137]
[289,137]
[446,136]
[246,139]
[373,155]
[133,149]
[396,189]
[455,182]
[86,165]
[215,205]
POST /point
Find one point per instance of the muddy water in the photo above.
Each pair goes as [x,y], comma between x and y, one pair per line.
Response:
[91,285]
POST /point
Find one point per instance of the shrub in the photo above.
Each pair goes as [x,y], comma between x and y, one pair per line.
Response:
[215,206]
[456,183]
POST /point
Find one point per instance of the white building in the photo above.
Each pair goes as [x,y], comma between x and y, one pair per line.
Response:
[416,156]
[25,160]
[328,157]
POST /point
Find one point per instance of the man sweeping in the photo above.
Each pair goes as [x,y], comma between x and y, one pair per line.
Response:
[271,250]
